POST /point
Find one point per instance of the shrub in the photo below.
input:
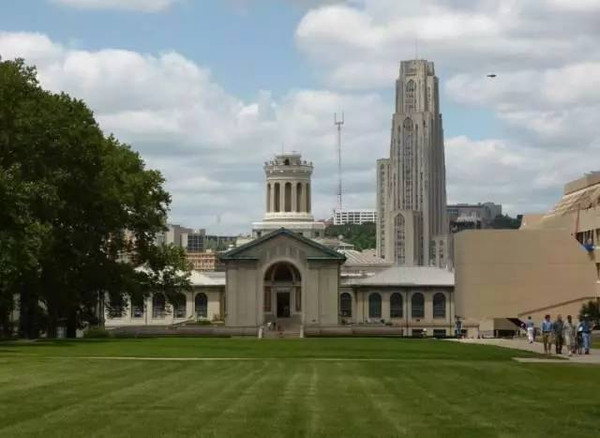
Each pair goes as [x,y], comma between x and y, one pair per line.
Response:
[96,333]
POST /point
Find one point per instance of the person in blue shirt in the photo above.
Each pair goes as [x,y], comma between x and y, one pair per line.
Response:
[585,328]
[547,334]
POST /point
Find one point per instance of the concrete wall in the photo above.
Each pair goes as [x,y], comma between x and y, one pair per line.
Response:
[511,273]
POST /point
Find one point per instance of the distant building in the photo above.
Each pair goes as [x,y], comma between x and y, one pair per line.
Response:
[472,216]
[182,237]
[207,261]
[358,217]
[411,184]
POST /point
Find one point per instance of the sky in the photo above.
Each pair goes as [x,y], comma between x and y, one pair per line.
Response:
[208,90]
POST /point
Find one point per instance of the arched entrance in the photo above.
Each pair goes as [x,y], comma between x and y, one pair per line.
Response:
[282,292]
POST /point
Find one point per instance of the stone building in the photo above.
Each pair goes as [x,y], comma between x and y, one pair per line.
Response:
[411,183]
[288,198]
[292,277]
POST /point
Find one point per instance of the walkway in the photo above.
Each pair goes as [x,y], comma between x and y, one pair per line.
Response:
[537,347]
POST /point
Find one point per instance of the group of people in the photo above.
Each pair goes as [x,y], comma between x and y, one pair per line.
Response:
[574,337]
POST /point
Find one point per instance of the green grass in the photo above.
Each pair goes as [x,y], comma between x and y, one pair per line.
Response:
[425,388]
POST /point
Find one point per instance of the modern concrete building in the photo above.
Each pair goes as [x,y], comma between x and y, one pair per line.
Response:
[358,216]
[411,184]
[288,198]
[504,275]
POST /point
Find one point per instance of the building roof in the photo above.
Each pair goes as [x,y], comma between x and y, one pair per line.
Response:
[198,278]
[407,276]
[367,257]
[237,253]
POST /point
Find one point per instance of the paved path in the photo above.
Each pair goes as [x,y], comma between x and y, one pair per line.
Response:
[537,347]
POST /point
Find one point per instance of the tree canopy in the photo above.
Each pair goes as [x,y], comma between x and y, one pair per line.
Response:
[80,212]
[362,236]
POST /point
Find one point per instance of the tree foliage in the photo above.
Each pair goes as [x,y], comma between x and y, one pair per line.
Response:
[361,236]
[76,204]
[505,222]
[590,311]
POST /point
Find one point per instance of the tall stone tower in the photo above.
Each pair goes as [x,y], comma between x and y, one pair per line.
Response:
[411,183]
[288,197]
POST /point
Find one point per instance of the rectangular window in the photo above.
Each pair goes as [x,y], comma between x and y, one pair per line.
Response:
[439,333]
[267,299]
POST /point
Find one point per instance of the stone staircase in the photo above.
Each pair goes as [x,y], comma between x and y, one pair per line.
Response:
[285,330]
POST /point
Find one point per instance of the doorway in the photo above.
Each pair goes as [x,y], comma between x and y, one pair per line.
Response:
[283,304]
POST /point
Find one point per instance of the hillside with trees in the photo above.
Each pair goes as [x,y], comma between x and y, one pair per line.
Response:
[361,236]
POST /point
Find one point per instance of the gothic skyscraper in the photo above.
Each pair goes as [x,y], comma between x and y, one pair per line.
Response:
[411,183]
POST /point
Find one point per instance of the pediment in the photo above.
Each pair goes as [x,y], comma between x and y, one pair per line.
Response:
[283,242]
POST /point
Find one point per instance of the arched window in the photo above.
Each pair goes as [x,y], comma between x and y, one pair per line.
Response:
[277,199]
[396,309]
[201,305]
[346,304]
[399,252]
[137,307]
[288,197]
[439,305]
[158,306]
[375,305]
[418,305]
[410,96]
[179,306]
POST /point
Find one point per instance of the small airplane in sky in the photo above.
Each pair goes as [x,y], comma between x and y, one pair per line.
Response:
[492,75]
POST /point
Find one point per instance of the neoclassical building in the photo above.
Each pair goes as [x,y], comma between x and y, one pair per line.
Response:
[287,276]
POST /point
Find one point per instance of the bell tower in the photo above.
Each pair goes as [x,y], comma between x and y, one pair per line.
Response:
[288,197]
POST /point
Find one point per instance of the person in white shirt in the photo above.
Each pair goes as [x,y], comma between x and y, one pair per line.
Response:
[530,330]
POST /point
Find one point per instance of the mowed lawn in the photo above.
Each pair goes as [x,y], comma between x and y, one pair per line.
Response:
[290,388]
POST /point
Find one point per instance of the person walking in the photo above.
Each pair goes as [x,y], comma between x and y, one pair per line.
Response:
[570,335]
[558,328]
[585,328]
[530,325]
[547,334]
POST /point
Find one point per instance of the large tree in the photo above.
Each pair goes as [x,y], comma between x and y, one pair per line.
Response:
[81,211]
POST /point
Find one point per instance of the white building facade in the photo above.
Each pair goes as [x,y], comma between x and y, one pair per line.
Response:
[357,216]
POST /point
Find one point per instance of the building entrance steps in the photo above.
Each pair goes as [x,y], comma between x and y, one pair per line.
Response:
[283,328]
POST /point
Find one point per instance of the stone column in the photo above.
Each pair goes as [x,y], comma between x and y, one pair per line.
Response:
[282,197]
[294,196]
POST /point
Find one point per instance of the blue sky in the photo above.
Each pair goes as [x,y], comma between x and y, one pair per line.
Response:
[208,90]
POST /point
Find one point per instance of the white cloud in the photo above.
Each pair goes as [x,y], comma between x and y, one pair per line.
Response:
[128,5]
[210,144]
[357,43]
[546,96]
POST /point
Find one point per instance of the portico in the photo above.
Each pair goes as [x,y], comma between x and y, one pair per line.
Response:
[282,277]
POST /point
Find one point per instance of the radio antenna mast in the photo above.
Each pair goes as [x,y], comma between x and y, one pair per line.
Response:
[338,124]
